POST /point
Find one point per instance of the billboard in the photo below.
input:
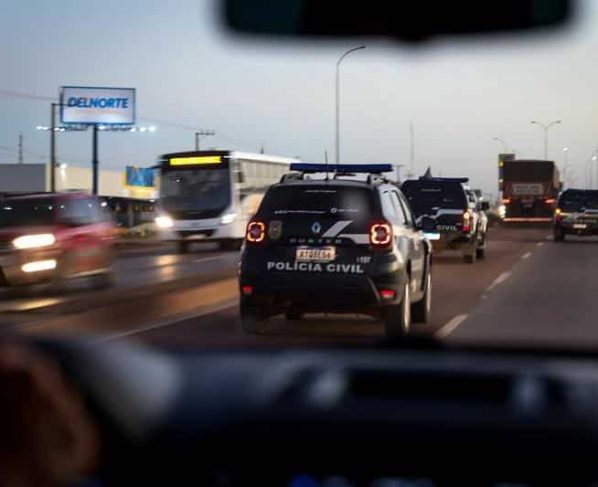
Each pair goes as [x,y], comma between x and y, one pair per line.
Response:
[139,177]
[104,106]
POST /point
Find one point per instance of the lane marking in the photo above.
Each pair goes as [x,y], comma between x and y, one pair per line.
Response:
[206,259]
[499,280]
[450,326]
[539,244]
[29,304]
[171,320]
[527,255]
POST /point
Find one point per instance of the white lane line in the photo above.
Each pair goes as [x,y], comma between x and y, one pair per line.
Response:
[499,280]
[527,255]
[171,320]
[539,244]
[29,304]
[450,326]
[207,259]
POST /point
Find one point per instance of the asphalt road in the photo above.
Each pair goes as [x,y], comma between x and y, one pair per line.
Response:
[528,290]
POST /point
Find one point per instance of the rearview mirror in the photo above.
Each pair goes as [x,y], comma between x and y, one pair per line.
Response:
[408,21]
[485,205]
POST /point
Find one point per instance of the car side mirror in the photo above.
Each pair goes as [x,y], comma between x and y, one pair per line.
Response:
[427,224]
[485,205]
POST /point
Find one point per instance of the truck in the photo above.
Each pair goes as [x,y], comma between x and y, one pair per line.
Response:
[529,190]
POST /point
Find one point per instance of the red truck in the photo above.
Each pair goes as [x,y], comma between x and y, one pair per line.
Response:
[529,190]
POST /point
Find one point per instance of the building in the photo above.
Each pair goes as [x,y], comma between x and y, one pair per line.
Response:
[36,177]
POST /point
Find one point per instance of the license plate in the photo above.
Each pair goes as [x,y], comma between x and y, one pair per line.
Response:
[432,236]
[580,226]
[315,254]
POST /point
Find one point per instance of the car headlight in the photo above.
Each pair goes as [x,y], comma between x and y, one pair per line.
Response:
[34,241]
[164,222]
[228,218]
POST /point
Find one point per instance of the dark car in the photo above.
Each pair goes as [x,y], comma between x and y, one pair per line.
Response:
[335,245]
[576,213]
[51,237]
[460,221]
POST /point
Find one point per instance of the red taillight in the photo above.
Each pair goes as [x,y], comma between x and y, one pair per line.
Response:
[247,290]
[256,231]
[387,294]
[550,201]
[467,222]
[380,234]
[506,201]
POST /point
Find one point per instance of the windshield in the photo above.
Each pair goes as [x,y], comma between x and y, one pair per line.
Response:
[190,190]
[574,201]
[191,138]
[427,197]
[24,213]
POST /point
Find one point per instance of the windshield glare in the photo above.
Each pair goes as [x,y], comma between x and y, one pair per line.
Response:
[195,189]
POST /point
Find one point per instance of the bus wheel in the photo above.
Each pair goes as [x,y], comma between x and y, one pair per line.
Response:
[182,246]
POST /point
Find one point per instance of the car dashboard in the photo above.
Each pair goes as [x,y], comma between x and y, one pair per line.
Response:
[377,417]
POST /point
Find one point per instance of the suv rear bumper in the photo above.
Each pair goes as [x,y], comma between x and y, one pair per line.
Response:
[453,241]
[320,291]
[569,228]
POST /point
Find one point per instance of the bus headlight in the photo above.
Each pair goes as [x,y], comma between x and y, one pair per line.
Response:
[228,218]
[34,241]
[164,222]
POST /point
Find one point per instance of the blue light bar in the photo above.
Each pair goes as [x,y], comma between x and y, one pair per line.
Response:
[341,168]
[451,180]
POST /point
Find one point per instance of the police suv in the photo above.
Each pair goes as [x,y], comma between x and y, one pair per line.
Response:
[576,214]
[459,219]
[335,243]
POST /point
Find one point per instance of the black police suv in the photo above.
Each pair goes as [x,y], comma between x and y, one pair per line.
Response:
[460,221]
[335,244]
[576,213]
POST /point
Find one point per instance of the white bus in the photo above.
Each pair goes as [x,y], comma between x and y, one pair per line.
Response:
[209,195]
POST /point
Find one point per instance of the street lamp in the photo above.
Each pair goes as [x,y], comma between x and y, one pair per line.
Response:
[338,64]
[200,134]
[504,144]
[546,127]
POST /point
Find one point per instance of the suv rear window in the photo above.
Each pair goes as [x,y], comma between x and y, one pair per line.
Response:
[343,203]
[424,196]
[578,200]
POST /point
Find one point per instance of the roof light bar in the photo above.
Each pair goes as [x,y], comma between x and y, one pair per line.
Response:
[308,167]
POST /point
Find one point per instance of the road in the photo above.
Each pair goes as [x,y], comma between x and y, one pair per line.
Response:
[528,290]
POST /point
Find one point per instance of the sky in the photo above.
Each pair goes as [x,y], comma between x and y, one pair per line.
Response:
[190,73]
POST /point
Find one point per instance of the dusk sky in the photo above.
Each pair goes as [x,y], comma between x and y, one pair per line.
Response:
[189,73]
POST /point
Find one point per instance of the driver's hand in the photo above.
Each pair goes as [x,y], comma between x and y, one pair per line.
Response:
[47,436]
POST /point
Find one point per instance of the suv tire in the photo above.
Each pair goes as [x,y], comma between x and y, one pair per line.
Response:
[420,311]
[397,318]
[251,319]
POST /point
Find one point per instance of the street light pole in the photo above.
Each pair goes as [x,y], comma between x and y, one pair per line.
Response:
[504,144]
[202,133]
[53,146]
[546,127]
[338,63]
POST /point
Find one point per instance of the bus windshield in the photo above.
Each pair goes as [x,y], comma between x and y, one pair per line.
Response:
[198,190]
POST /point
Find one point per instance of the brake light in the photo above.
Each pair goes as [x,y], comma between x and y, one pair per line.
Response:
[256,231]
[387,294]
[506,201]
[550,201]
[380,234]
[467,221]
[247,290]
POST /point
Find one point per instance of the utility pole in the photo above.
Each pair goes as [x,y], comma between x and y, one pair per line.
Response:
[94,160]
[53,146]
[20,148]
[202,133]
[412,148]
